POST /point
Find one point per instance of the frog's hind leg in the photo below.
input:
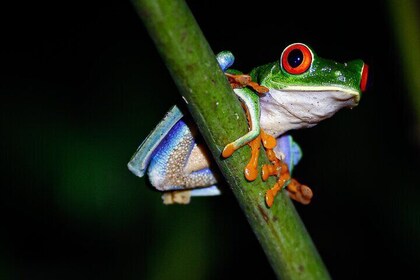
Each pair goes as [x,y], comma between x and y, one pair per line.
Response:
[180,165]
[204,175]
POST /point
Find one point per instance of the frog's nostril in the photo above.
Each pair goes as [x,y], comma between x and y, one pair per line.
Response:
[364,82]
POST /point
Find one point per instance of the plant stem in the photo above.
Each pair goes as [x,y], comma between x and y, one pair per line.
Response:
[221,119]
[405,21]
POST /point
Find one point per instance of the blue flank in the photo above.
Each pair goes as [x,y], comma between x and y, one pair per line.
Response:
[290,149]
[158,164]
[141,158]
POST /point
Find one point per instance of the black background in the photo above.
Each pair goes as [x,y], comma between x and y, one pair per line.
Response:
[81,85]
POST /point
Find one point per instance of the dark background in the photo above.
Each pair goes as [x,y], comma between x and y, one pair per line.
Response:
[81,85]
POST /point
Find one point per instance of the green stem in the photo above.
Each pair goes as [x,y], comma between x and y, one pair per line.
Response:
[221,119]
[405,21]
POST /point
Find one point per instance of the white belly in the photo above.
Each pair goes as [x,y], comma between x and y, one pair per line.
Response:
[286,109]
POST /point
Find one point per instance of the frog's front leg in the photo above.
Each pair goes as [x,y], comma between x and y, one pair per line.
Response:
[250,101]
[251,104]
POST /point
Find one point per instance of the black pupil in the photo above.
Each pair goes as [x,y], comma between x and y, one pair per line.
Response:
[295,58]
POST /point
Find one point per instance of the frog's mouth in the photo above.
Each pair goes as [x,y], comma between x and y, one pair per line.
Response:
[296,107]
[337,92]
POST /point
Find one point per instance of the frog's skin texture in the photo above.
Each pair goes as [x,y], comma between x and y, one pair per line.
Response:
[298,91]
[179,166]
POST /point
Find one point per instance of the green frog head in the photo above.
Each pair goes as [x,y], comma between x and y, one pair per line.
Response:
[305,89]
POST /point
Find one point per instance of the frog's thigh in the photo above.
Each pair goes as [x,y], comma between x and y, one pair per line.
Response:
[180,163]
[197,170]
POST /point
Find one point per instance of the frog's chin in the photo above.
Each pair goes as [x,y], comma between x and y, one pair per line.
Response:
[301,107]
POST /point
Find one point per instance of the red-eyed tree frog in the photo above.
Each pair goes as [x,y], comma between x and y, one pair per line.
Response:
[298,91]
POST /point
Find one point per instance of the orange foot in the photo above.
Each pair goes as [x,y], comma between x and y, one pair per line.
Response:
[251,169]
[299,192]
[279,168]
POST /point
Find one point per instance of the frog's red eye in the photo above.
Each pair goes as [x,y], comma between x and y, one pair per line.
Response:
[296,59]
